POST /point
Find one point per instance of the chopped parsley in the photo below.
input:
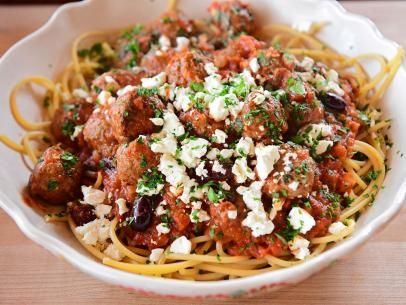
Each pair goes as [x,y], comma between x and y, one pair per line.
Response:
[52,185]
[147,92]
[68,161]
[144,162]
[150,183]
[295,86]
[68,128]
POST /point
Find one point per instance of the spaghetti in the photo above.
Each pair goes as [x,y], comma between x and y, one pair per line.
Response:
[354,138]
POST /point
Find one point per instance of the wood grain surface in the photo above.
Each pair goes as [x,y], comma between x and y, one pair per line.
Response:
[375,274]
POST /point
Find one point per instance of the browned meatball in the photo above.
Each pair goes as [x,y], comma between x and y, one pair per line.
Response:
[116,79]
[67,117]
[56,176]
[173,24]
[201,124]
[154,64]
[99,135]
[130,115]
[184,68]
[133,160]
[265,120]
[293,174]
[232,17]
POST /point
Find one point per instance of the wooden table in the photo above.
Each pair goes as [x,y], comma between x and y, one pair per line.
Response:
[376,274]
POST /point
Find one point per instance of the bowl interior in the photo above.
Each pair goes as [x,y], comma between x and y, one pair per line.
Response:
[47,52]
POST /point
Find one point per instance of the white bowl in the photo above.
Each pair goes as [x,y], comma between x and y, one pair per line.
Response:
[46,51]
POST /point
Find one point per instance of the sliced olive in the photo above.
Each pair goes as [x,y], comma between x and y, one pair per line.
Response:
[332,101]
[82,213]
[142,213]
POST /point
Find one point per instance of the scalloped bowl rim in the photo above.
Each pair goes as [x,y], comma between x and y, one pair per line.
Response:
[282,277]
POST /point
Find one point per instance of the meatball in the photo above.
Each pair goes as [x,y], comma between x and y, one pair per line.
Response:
[263,118]
[154,64]
[82,213]
[235,56]
[184,68]
[133,160]
[130,115]
[67,118]
[232,17]
[114,80]
[56,177]
[200,122]
[293,174]
[173,24]
[99,135]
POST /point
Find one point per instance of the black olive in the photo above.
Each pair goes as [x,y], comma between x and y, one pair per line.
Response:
[332,101]
[142,213]
[82,213]
[213,175]
[218,44]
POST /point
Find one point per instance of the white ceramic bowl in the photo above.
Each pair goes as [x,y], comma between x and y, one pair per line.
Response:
[46,51]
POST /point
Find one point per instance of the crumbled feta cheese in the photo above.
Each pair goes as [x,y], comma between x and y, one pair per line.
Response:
[213,153]
[126,89]
[155,255]
[182,101]
[323,146]
[157,121]
[201,171]
[163,228]
[226,153]
[242,171]
[218,110]
[181,245]
[245,147]
[167,91]
[258,98]
[160,210]
[220,136]
[147,191]
[267,156]
[212,84]
[103,97]
[92,196]
[293,185]
[301,220]
[254,66]
[113,252]
[313,132]
[95,231]
[165,145]
[182,43]
[78,129]
[259,223]
[189,185]
[197,215]
[192,150]
[252,195]
[102,210]
[336,227]
[164,43]
[247,78]
[299,247]
[109,79]
[210,68]
[218,168]
[80,93]
[155,81]
[172,124]
[225,186]
[174,172]
[122,206]
[232,214]
[307,63]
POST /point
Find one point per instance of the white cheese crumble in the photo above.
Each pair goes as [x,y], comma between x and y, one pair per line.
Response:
[155,81]
[293,185]
[126,89]
[122,206]
[181,245]
[94,231]
[192,150]
[267,156]
[232,214]
[254,66]
[299,247]
[102,210]
[242,171]
[80,93]
[182,43]
[259,223]
[210,68]
[163,228]
[313,132]
[172,124]
[78,129]
[147,191]
[323,146]
[245,147]
[213,153]
[252,195]
[103,97]
[157,121]
[109,79]
[92,196]
[197,215]
[218,168]
[164,43]
[200,170]
[155,255]
[165,145]
[336,227]
[218,110]
[182,101]
[219,136]
[212,84]
[301,220]
[174,172]
[113,252]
